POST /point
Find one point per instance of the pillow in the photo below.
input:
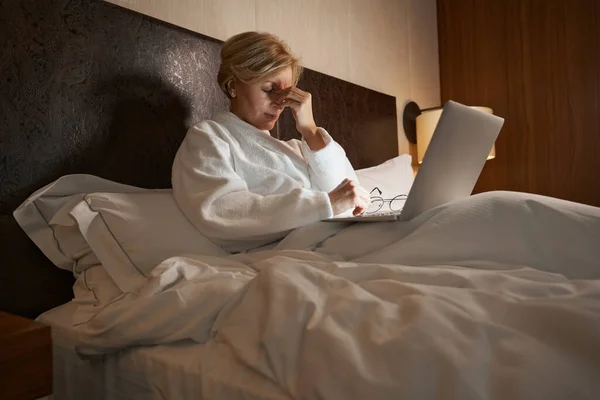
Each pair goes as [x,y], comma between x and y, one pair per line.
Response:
[131,233]
[388,183]
[45,218]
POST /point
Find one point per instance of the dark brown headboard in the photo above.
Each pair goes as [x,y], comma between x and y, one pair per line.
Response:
[90,87]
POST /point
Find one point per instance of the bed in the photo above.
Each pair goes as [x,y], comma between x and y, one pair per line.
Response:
[495,296]
[180,370]
[80,84]
[85,82]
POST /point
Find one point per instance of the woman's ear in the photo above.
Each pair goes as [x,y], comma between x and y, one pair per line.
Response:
[231,88]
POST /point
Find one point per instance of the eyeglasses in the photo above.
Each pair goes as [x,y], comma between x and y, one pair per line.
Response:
[395,204]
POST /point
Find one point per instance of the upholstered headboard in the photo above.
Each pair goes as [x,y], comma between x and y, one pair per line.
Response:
[90,87]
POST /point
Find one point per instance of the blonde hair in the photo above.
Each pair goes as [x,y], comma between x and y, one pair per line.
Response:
[252,57]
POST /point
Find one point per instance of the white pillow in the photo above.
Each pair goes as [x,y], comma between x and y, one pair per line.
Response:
[388,183]
[45,218]
[131,233]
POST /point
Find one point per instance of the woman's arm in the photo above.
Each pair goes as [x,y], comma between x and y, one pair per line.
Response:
[329,166]
[217,200]
[314,140]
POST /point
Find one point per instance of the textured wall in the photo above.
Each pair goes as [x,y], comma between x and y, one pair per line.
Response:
[74,99]
[90,87]
[385,45]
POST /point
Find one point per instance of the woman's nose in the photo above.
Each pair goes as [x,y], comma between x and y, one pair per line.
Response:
[277,105]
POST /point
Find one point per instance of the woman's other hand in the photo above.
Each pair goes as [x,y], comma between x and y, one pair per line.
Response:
[349,195]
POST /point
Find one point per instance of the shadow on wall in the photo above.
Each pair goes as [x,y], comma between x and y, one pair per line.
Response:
[127,128]
[145,125]
[145,121]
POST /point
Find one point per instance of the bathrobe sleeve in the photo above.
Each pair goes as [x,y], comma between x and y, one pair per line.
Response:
[329,166]
[217,200]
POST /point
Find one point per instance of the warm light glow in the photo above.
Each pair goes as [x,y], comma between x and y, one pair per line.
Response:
[426,123]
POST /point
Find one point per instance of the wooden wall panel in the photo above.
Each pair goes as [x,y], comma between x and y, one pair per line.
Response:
[537,64]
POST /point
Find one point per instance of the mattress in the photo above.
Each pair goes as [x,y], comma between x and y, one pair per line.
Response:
[182,370]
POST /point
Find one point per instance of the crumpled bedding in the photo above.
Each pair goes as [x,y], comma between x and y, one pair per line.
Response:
[495,296]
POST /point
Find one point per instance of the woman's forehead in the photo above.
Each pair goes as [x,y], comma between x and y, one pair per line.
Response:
[282,79]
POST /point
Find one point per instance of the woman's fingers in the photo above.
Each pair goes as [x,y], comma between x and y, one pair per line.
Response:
[361,207]
[299,91]
[291,102]
[363,201]
[300,103]
[296,96]
[342,184]
[349,195]
[360,197]
[360,191]
[292,94]
[364,194]
[281,94]
[353,188]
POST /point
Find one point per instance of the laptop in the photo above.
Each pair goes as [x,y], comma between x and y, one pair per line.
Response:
[452,163]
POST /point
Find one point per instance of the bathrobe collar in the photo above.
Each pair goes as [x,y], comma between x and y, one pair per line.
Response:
[241,130]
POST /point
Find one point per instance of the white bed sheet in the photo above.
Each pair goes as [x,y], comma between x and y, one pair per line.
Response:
[182,370]
[493,297]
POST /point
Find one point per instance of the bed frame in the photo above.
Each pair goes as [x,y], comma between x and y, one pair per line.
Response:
[89,87]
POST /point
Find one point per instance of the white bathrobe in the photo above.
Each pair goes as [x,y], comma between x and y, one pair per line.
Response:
[243,188]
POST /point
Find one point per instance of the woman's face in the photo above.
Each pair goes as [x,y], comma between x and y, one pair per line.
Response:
[256,103]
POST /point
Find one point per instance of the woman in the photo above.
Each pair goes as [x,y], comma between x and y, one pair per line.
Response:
[239,186]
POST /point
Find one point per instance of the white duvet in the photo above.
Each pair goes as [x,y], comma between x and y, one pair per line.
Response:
[493,297]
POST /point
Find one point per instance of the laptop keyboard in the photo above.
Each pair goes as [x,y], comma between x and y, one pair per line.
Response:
[381,214]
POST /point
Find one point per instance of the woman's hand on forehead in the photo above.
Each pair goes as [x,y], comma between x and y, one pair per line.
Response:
[277,93]
[301,104]
[280,94]
[279,90]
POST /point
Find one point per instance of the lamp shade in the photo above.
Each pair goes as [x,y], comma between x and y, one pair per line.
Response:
[426,123]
